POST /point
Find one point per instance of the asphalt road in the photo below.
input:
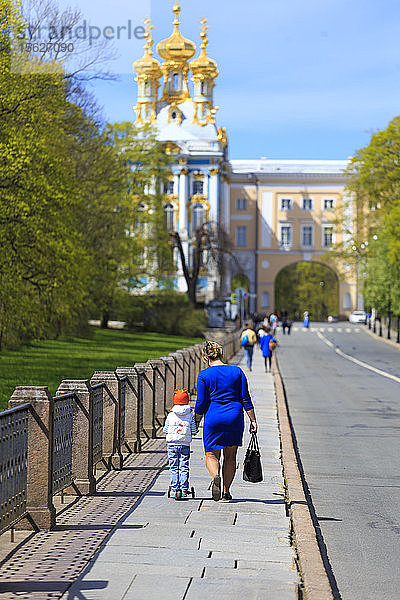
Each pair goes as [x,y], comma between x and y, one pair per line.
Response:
[347,424]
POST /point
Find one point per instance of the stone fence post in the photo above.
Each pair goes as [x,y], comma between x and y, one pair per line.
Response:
[40,510]
[132,441]
[187,376]
[179,370]
[112,455]
[148,398]
[83,480]
[159,368]
[170,373]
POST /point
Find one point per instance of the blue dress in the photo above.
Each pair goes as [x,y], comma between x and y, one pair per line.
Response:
[264,344]
[222,394]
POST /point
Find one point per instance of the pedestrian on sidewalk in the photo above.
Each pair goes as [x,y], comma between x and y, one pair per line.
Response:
[180,426]
[248,339]
[222,397]
[265,343]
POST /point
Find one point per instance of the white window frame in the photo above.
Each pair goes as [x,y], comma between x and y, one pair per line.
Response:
[195,210]
[169,213]
[199,182]
[324,228]
[170,185]
[289,245]
[303,227]
[282,200]
[243,230]
[310,200]
[241,204]
[325,208]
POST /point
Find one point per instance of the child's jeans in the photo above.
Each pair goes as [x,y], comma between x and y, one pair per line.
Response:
[179,457]
[249,355]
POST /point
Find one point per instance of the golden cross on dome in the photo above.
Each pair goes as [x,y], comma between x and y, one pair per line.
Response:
[149,38]
[177,10]
[203,34]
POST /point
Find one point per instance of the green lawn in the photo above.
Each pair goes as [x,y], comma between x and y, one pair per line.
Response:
[49,362]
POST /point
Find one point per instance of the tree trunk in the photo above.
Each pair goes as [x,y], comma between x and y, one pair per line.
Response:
[192,284]
[105,317]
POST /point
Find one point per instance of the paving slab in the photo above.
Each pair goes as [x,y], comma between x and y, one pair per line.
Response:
[229,589]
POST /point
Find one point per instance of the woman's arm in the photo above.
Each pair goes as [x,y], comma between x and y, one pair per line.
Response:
[202,400]
[253,421]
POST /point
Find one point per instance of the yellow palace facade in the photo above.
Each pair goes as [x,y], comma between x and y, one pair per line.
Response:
[275,213]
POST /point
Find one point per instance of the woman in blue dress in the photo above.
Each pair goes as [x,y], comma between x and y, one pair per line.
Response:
[265,348]
[222,397]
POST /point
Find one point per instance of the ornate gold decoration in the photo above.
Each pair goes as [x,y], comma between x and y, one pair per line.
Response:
[148,71]
[178,114]
[199,199]
[171,198]
[199,176]
[176,51]
[185,171]
[222,136]
[183,161]
[171,148]
[204,71]
[214,172]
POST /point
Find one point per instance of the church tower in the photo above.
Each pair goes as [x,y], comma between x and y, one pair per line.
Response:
[184,116]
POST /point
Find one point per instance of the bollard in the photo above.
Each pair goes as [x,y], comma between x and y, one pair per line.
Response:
[83,480]
[41,514]
[170,372]
[112,455]
[159,368]
[192,364]
[132,441]
[148,399]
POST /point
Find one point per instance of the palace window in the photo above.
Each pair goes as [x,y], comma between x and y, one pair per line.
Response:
[307,236]
[169,214]
[198,187]
[307,204]
[198,217]
[147,88]
[329,203]
[286,236]
[241,235]
[175,82]
[241,203]
[327,236]
[169,187]
[286,204]
[265,300]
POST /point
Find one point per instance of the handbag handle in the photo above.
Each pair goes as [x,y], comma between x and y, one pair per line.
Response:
[254,442]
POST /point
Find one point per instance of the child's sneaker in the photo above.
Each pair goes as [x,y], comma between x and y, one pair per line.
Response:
[177,495]
[185,494]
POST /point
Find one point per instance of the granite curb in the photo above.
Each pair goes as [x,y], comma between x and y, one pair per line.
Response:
[316,584]
[382,339]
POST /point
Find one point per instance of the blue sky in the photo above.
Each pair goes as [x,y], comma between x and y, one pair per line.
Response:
[298,80]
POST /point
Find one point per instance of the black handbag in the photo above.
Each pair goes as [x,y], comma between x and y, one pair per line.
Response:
[252,470]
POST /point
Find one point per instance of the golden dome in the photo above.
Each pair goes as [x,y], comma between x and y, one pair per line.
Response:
[176,47]
[204,65]
[148,65]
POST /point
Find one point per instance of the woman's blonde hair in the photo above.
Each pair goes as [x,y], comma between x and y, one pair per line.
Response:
[212,351]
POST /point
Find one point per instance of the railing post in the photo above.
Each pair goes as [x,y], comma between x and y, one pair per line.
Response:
[39,499]
[148,398]
[83,479]
[132,408]
[170,373]
[179,375]
[112,455]
[184,352]
[159,367]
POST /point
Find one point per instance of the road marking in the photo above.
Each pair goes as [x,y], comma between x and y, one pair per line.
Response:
[348,330]
[360,363]
[339,330]
[330,329]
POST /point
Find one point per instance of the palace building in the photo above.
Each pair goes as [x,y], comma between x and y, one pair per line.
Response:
[275,213]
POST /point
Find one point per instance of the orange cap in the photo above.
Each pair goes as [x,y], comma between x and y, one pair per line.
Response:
[181,397]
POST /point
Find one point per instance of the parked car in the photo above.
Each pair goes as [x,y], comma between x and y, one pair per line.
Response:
[333,319]
[358,316]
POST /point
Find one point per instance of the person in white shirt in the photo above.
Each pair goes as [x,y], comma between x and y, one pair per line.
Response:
[180,426]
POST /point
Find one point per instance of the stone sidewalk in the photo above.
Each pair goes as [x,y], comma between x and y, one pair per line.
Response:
[201,549]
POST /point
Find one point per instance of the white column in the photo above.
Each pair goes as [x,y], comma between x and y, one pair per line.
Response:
[213,195]
[226,205]
[183,224]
